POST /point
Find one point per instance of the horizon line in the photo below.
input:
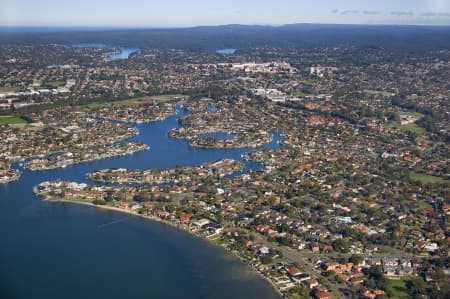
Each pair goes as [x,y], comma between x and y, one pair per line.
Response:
[143,27]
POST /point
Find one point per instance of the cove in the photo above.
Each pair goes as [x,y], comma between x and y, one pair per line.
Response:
[57,250]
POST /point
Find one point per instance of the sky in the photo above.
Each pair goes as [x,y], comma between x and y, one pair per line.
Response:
[185,13]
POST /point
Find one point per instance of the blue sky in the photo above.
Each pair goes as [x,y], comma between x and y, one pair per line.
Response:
[181,13]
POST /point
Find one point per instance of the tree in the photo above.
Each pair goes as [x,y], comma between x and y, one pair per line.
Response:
[266,259]
[109,195]
[355,259]
[417,286]
[340,245]
[375,272]
[383,283]
[98,202]
[142,196]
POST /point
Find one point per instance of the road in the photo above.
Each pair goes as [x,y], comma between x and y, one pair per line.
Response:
[301,259]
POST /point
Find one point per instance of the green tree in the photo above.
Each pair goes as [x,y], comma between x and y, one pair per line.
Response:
[417,286]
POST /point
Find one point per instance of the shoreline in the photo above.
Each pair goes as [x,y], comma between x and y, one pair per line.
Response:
[25,160]
[167,176]
[14,178]
[162,221]
[53,167]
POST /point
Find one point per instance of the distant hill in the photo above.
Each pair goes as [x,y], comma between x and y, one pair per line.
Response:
[206,38]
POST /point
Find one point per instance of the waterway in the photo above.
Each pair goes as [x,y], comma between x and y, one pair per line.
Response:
[226,51]
[62,250]
[121,53]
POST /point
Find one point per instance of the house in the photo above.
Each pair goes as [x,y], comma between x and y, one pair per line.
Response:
[128,196]
[390,261]
[122,205]
[330,266]
[357,278]
[176,189]
[389,270]
[278,266]
[320,288]
[163,214]
[368,294]
[446,208]
[185,217]
[379,292]
[150,205]
[263,251]
[136,207]
[431,247]
[371,248]
[310,283]
[202,222]
[429,275]
[344,277]
[322,295]
[315,247]
[293,271]
[405,271]
[327,248]
[301,277]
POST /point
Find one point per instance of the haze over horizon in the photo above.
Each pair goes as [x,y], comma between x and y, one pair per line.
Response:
[178,13]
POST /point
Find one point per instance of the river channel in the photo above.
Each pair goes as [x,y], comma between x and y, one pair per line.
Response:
[61,250]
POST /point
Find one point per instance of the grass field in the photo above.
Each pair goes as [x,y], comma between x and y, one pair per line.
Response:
[397,288]
[54,84]
[379,92]
[424,204]
[10,89]
[97,105]
[164,98]
[300,94]
[425,178]
[9,120]
[413,114]
[412,127]
[413,97]
[408,127]
[310,81]
[133,102]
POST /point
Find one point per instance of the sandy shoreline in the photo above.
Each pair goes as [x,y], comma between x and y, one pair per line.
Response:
[159,220]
